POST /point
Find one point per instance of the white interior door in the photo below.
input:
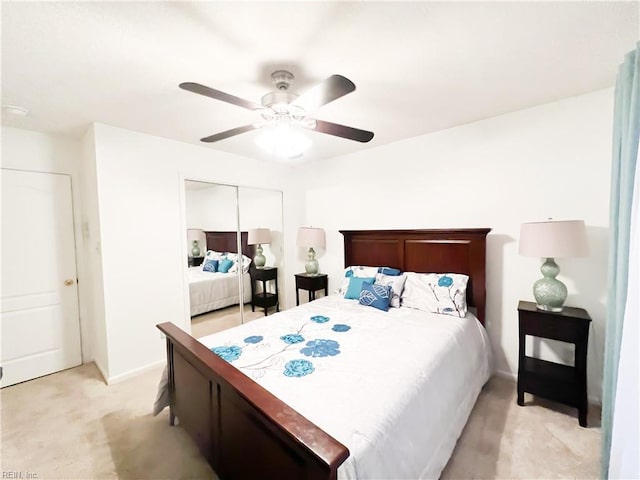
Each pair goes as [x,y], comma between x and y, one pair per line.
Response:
[39,325]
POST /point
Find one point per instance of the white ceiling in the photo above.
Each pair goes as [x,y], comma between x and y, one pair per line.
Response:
[418,66]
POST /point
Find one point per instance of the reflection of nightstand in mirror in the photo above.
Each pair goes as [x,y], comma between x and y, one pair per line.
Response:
[195,261]
[264,298]
[311,283]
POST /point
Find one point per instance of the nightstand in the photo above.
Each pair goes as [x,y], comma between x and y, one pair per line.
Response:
[264,298]
[195,261]
[312,283]
[561,383]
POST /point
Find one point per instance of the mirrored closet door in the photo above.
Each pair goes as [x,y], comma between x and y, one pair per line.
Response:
[215,287]
[237,226]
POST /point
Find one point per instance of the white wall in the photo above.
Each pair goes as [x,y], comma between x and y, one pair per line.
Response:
[40,152]
[140,187]
[549,161]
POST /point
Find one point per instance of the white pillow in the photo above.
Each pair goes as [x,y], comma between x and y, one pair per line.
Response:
[246,262]
[444,293]
[396,282]
[356,271]
[213,255]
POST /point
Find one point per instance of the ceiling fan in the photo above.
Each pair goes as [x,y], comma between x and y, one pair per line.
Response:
[282,107]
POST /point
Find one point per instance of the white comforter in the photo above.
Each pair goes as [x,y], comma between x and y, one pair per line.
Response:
[395,387]
[213,290]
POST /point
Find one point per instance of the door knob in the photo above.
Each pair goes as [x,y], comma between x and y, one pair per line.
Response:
[68,282]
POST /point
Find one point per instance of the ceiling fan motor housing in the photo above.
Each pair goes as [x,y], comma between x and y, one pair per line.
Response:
[280,101]
[279,96]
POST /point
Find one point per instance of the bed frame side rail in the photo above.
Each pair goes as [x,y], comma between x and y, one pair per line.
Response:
[243,430]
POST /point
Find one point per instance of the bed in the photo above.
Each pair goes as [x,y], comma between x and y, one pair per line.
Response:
[392,428]
[210,291]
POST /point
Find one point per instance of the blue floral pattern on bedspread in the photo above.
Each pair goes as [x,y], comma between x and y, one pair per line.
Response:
[274,348]
[298,368]
[228,353]
[321,348]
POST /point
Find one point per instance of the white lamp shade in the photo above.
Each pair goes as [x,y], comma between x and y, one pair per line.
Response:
[195,234]
[311,237]
[554,239]
[260,236]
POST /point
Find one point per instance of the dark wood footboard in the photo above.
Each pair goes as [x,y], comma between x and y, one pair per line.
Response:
[243,430]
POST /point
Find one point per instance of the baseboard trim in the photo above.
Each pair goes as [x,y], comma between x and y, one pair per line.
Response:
[507,375]
[102,371]
[134,373]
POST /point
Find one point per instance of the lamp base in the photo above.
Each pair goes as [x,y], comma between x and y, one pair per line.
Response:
[311,266]
[259,259]
[549,292]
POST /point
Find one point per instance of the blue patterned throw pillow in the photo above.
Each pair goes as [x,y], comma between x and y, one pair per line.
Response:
[355,286]
[392,272]
[377,296]
[225,265]
[210,266]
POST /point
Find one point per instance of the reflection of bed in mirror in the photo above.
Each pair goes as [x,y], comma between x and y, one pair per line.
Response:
[210,291]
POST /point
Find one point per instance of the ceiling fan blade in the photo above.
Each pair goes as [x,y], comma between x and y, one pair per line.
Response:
[218,95]
[228,133]
[327,91]
[343,131]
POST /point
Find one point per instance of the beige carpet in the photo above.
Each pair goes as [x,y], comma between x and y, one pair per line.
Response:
[70,425]
[212,322]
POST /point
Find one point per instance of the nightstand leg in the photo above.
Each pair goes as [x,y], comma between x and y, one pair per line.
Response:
[520,397]
[582,416]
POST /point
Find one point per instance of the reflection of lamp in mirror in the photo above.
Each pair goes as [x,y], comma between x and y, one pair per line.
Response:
[549,240]
[195,237]
[259,237]
[312,238]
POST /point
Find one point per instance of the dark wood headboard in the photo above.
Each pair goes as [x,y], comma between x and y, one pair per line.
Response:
[430,251]
[227,242]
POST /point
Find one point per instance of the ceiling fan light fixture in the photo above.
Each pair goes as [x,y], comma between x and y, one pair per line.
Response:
[283,141]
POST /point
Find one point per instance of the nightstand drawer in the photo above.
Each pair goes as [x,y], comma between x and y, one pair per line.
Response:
[549,326]
[311,283]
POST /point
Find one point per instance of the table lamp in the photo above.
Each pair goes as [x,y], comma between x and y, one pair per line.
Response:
[552,239]
[259,237]
[312,238]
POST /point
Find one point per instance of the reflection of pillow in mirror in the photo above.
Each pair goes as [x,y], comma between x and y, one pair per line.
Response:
[224,265]
[213,255]
[210,265]
[246,262]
